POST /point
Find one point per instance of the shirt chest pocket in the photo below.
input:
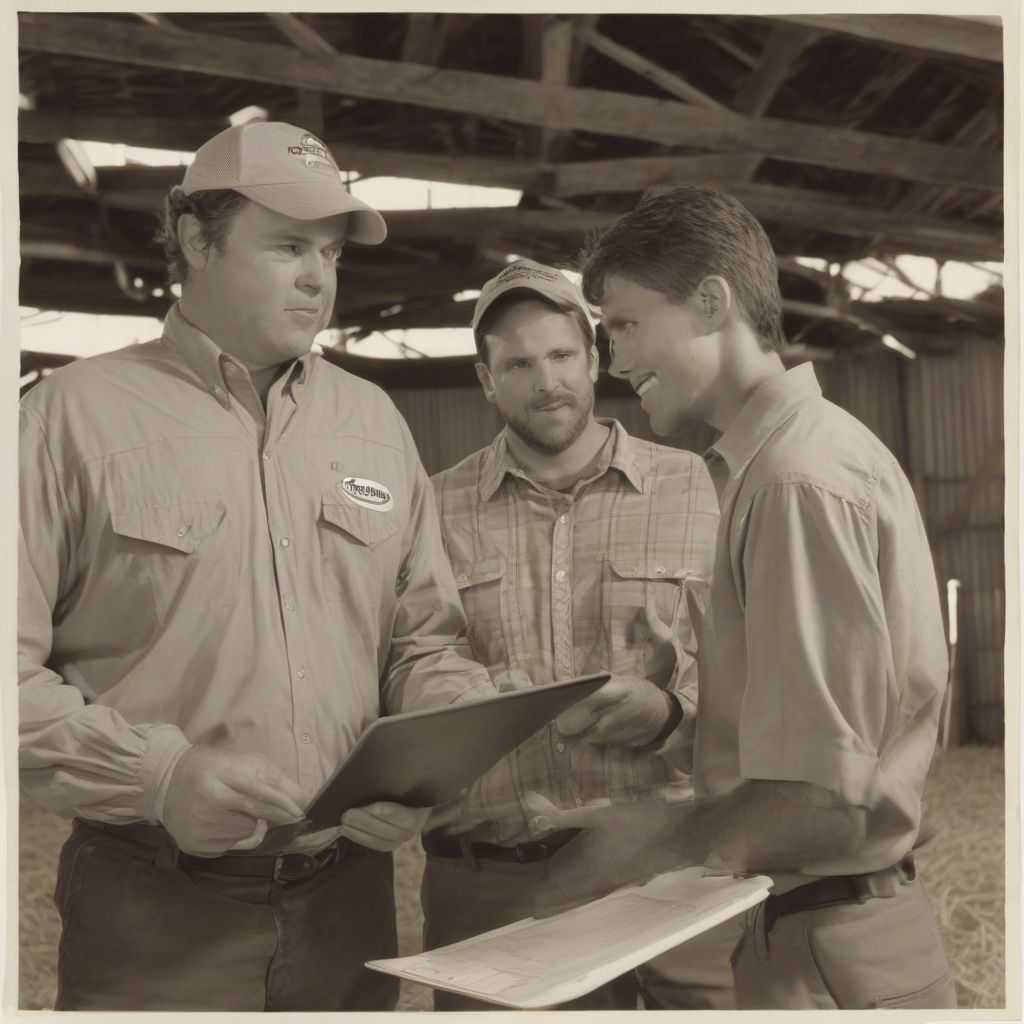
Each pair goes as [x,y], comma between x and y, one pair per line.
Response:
[187,553]
[631,585]
[353,564]
[482,591]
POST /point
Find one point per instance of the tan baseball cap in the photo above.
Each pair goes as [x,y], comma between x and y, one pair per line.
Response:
[529,276]
[285,169]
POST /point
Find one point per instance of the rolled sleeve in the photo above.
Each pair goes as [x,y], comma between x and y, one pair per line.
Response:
[819,653]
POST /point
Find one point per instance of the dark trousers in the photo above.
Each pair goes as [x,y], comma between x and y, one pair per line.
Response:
[143,935]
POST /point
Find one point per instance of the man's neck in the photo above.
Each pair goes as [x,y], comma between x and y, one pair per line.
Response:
[560,471]
[262,377]
[749,368]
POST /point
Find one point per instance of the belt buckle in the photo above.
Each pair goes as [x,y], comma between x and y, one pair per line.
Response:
[308,869]
[521,853]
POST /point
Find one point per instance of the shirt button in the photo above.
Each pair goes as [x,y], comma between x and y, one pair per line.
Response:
[289,606]
[660,570]
[182,530]
[285,542]
[301,673]
[305,737]
[563,518]
[266,455]
[560,747]
[217,389]
[560,575]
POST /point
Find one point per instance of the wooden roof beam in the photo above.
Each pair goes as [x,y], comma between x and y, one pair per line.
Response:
[300,35]
[883,231]
[556,51]
[523,101]
[962,37]
[784,45]
[673,84]
[158,21]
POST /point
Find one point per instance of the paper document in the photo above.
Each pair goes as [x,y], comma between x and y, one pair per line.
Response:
[543,962]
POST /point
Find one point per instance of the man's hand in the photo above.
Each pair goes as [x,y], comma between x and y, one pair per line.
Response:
[622,844]
[383,826]
[627,711]
[218,800]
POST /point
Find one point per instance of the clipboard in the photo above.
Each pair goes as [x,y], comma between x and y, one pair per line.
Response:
[423,758]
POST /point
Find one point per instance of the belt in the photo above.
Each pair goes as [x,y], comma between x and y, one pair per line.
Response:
[838,889]
[439,845]
[281,867]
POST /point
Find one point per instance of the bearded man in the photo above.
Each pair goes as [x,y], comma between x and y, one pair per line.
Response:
[573,545]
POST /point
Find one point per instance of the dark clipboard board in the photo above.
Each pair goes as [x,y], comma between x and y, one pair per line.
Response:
[423,758]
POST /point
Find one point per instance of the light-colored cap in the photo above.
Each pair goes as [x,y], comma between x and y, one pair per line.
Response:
[285,169]
[529,276]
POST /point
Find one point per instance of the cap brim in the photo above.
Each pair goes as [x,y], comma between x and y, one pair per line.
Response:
[310,200]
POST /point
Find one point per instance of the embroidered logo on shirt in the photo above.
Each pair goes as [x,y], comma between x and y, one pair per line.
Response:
[366,493]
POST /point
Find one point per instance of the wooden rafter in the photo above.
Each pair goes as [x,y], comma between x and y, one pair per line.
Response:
[301,35]
[962,37]
[887,232]
[784,45]
[673,84]
[598,111]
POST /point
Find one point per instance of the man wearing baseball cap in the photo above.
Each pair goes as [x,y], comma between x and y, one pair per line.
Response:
[212,610]
[572,545]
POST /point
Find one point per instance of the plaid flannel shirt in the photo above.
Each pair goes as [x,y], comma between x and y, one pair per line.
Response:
[555,584]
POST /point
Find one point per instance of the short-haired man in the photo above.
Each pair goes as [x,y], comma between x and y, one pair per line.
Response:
[572,544]
[817,721]
[212,611]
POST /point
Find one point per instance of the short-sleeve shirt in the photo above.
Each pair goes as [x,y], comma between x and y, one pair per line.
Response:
[831,654]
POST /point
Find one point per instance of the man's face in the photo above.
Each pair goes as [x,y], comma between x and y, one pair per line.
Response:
[272,289]
[664,350]
[540,374]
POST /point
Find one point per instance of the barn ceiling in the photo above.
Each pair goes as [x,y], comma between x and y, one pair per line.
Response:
[847,136]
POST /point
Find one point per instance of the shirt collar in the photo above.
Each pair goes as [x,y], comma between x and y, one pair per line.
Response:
[207,360]
[762,414]
[618,454]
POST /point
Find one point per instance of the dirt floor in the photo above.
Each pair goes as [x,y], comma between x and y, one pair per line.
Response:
[963,866]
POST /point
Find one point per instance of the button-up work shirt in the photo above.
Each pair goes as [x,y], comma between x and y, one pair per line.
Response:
[555,584]
[194,569]
[832,660]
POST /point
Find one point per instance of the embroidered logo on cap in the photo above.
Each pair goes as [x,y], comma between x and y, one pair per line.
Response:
[314,154]
[528,273]
[366,493]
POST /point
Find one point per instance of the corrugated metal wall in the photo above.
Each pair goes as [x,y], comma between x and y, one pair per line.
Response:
[940,415]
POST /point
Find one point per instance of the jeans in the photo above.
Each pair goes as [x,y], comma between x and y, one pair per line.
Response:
[142,935]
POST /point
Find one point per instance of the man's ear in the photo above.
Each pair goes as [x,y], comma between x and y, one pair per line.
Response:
[483,374]
[714,298]
[594,362]
[190,238]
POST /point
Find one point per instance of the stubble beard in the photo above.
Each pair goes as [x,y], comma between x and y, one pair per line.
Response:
[555,441]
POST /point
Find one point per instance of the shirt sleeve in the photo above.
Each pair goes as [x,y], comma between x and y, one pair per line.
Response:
[819,654]
[429,664]
[75,757]
[701,545]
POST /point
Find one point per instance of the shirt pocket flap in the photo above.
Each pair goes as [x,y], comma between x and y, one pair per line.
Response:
[367,527]
[179,525]
[483,570]
[644,568]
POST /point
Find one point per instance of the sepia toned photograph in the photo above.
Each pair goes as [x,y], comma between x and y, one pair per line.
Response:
[514,511]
